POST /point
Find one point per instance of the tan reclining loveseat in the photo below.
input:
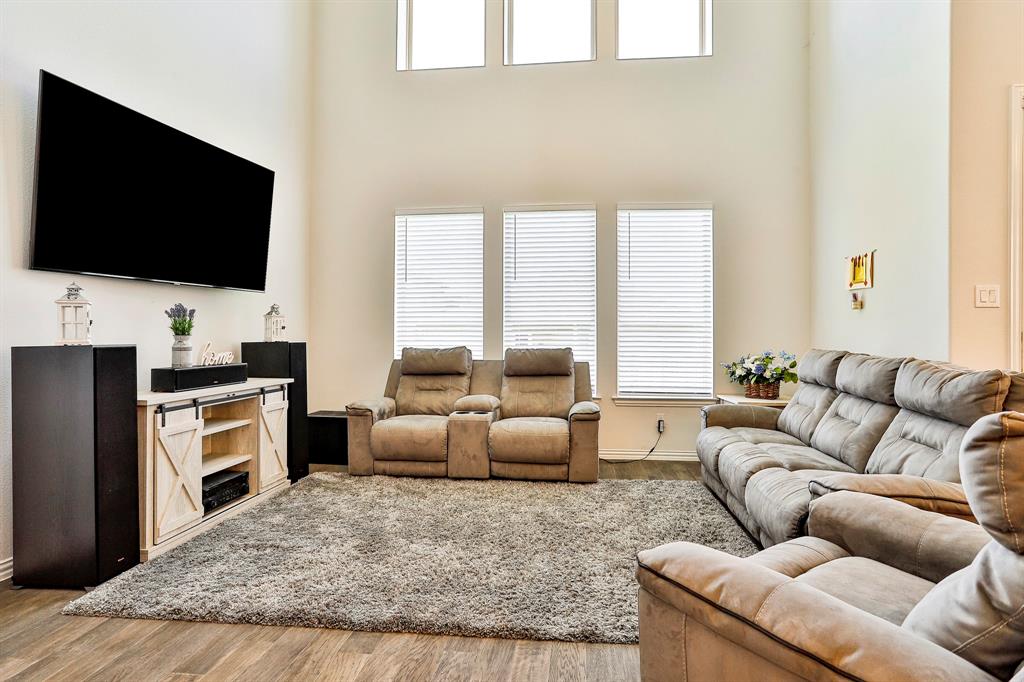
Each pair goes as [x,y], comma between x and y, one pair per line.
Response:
[878,590]
[530,416]
[888,426]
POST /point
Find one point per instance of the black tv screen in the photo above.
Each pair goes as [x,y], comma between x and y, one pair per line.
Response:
[122,195]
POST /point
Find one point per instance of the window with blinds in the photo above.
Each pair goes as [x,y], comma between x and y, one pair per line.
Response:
[439,281]
[550,282]
[665,303]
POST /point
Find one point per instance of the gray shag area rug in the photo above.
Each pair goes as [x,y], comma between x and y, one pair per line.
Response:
[493,558]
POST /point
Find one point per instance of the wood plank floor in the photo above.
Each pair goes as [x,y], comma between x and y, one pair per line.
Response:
[37,643]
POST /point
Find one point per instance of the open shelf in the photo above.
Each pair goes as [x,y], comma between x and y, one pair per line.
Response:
[213,463]
[213,425]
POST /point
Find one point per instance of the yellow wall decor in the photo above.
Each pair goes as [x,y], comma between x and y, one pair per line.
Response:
[860,271]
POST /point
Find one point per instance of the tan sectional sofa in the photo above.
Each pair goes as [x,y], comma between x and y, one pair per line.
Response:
[878,590]
[530,416]
[888,426]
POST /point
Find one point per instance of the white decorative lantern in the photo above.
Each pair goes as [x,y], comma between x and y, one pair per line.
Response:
[74,314]
[273,324]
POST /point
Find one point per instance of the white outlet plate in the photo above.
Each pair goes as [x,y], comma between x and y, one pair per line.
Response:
[986,296]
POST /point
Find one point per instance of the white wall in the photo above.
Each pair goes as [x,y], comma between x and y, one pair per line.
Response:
[879,103]
[987,58]
[234,74]
[730,129]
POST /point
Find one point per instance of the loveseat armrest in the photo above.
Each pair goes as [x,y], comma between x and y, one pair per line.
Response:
[381,408]
[941,497]
[481,402]
[731,416]
[585,410]
[926,544]
[362,415]
[778,621]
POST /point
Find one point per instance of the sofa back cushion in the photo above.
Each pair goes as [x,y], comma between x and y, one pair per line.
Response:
[814,395]
[978,612]
[938,404]
[538,383]
[432,379]
[863,410]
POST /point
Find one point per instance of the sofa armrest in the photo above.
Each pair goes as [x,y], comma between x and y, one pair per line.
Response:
[730,416]
[477,403]
[381,408]
[585,410]
[926,544]
[782,621]
[934,496]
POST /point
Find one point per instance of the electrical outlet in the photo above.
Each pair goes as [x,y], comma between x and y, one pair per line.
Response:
[661,423]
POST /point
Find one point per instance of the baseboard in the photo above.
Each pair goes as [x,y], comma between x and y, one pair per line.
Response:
[6,568]
[657,455]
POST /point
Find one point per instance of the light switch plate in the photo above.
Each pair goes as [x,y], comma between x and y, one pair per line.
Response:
[986,295]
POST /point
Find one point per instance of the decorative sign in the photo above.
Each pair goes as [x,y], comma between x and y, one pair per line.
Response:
[861,271]
[208,357]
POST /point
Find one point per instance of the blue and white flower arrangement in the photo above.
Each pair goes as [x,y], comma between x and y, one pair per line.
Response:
[768,367]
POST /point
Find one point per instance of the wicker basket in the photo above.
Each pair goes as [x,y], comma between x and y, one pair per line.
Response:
[763,391]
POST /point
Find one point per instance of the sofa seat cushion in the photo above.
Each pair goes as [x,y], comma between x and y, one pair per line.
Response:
[739,461]
[414,437]
[712,440]
[529,440]
[778,500]
[871,586]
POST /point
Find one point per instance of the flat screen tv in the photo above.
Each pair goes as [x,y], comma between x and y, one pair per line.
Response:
[120,194]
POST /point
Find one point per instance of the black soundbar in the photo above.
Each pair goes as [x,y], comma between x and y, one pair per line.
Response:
[174,379]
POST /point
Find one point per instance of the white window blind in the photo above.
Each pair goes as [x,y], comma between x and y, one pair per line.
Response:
[664,28]
[550,292]
[439,281]
[440,34]
[665,302]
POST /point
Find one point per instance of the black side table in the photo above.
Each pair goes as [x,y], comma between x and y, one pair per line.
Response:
[328,437]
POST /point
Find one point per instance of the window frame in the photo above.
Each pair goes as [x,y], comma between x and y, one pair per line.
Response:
[664,399]
[507,35]
[444,210]
[706,47]
[406,33]
[525,208]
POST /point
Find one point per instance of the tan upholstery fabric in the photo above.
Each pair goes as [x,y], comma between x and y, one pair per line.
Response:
[585,411]
[467,445]
[486,379]
[712,440]
[869,585]
[430,393]
[820,367]
[918,445]
[852,427]
[583,387]
[928,545]
[992,464]
[778,501]
[739,461]
[796,557]
[530,472]
[419,438]
[805,409]
[765,436]
[583,451]
[959,396]
[978,612]
[1015,395]
[437,360]
[734,416]
[360,460]
[924,493]
[530,440]
[384,467]
[537,396]
[477,403]
[754,608]
[394,374]
[871,377]
[532,362]
[382,408]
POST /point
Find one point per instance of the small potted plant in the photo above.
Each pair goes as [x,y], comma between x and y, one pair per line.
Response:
[182,320]
[762,373]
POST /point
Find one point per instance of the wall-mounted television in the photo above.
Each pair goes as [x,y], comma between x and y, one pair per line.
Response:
[120,194]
